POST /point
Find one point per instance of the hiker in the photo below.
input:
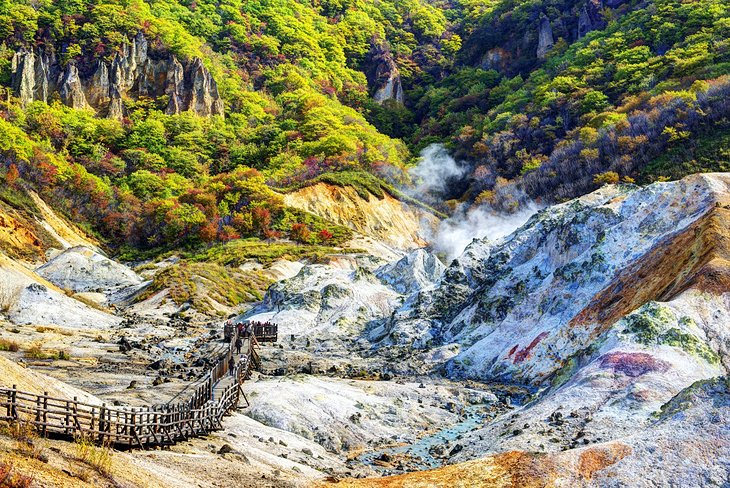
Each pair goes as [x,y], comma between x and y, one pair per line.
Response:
[232,366]
[239,343]
[247,330]
[227,330]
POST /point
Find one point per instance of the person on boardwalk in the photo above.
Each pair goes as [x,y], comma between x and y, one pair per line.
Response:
[232,365]
[228,330]
[239,343]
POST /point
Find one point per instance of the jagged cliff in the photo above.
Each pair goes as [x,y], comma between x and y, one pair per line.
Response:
[590,18]
[510,45]
[383,75]
[545,39]
[135,71]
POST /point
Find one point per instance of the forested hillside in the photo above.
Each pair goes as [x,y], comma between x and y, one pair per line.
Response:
[168,123]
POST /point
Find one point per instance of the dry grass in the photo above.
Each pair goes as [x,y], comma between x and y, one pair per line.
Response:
[8,345]
[21,431]
[12,479]
[29,444]
[35,351]
[97,457]
[7,298]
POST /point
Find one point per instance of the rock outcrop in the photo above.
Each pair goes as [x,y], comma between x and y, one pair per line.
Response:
[135,71]
[590,18]
[383,75]
[526,303]
[27,298]
[80,269]
[611,308]
[545,39]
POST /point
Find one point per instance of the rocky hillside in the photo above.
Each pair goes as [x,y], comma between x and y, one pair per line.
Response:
[38,75]
[181,125]
[608,309]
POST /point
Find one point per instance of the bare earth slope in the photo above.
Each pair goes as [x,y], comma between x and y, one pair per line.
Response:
[386,219]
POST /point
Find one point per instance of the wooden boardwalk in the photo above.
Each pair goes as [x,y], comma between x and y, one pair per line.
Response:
[197,410]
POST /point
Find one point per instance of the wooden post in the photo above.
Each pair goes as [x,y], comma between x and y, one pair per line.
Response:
[102,412]
[132,427]
[76,415]
[37,409]
[10,403]
[15,403]
[45,412]
[68,418]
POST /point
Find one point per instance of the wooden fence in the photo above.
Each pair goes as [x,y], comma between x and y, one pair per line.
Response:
[263,332]
[198,410]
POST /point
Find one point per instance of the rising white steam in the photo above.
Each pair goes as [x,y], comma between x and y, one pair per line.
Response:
[436,171]
[457,232]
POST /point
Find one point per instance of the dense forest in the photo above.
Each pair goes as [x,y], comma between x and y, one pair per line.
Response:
[541,99]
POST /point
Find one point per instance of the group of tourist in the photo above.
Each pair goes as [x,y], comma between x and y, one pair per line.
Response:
[245,330]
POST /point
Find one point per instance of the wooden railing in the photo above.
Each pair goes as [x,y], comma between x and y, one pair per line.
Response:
[266,332]
[196,412]
[263,332]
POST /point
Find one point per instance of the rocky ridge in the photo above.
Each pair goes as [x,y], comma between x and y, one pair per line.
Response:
[608,308]
[135,71]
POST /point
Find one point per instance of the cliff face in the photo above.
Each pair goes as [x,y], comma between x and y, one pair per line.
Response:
[590,18]
[134,72]
[515,44]
[545,37]
[383,76]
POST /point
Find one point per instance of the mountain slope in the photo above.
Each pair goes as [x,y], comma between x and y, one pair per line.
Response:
[598,314]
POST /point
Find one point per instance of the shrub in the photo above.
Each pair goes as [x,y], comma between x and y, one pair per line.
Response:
[607,178]
[98,457]
[35,351]
[8,345]
[11,479]
[300,233]
[12,175]
[324,235]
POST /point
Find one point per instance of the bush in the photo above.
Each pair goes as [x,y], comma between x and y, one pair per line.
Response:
[11,479]
[607,178]
[300,233]
[8,345]
[98,457]
[35,351]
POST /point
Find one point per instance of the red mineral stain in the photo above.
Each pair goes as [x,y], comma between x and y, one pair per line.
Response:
[525,353]
[633,364]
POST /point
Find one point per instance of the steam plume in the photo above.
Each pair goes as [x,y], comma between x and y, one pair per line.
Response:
[467,224]
[436,171]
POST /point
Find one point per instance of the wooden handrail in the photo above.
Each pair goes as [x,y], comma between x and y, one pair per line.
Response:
[198,413]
